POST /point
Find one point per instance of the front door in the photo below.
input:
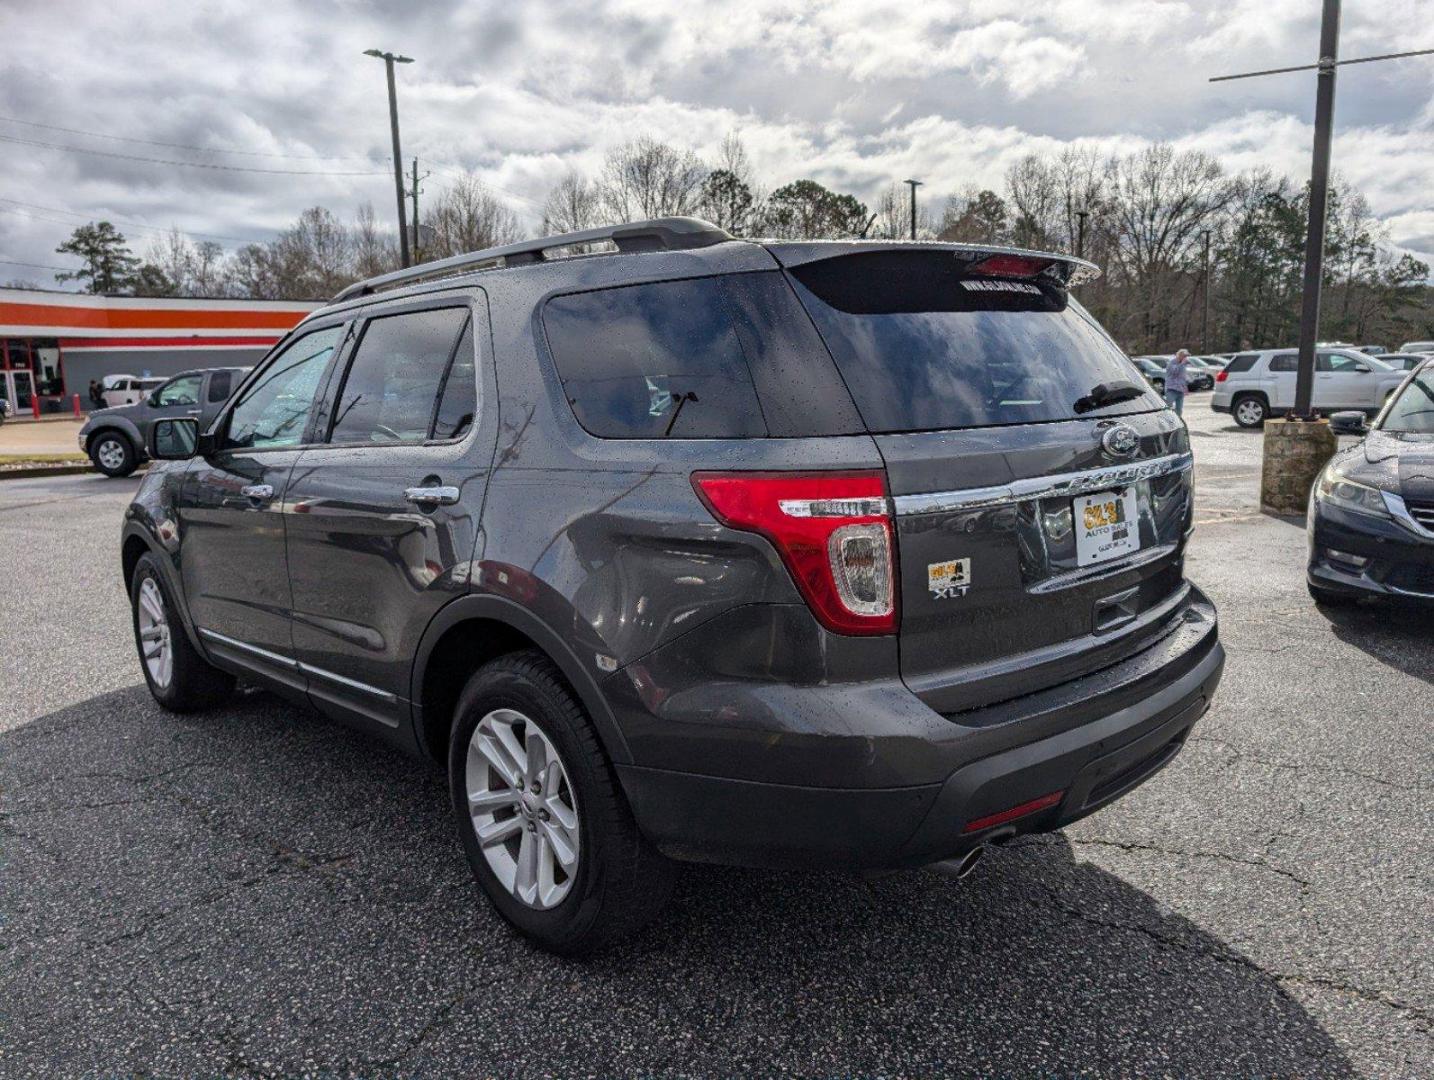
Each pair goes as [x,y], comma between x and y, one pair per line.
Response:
[20,390]
[1343,382]
[384,516]
[233,509]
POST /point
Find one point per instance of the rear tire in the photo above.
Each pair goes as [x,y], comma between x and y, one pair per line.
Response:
[113,454]
[1250,411]
[619,882]
[179,678]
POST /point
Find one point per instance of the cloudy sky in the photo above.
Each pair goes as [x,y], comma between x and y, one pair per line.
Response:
[855,94]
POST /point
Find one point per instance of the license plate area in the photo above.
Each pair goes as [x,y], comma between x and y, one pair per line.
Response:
[1106,525]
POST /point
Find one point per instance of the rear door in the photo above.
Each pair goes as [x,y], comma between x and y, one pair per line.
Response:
[384,514]
[232,511]
[1040,521]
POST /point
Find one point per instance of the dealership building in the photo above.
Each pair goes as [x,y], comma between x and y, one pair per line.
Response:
[53,343]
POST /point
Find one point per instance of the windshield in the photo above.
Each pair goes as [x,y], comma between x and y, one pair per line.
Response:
[924,345]
[1412,411]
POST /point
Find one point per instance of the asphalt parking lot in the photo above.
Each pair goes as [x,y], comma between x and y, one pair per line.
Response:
[261,892]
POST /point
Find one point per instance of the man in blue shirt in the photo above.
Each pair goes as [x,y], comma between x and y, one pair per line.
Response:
[1176,386]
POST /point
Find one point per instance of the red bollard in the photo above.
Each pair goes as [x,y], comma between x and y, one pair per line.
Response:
[35,405]
[77,406]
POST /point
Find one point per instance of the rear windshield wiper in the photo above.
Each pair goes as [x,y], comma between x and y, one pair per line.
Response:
[1108,394]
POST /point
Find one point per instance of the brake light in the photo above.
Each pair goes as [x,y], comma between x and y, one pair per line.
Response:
[1222,376]
[1013,266]
[833,531]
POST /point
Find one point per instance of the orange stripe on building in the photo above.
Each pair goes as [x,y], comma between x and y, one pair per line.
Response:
[147,319]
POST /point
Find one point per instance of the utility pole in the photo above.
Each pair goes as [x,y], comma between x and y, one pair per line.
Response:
[1205,296]
[1081,215]
[1328,63]
[914,185]
[389,59]
[413,193]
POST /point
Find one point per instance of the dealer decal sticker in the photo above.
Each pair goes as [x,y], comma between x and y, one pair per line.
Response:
[949,580]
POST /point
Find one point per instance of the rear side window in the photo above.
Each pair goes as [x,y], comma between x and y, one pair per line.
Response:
[925,346]
[390,391]
[1285,362]
[1243,362]
[219,385]
[654,361]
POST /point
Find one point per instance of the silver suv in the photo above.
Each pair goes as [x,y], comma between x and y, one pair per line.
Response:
[1257,385]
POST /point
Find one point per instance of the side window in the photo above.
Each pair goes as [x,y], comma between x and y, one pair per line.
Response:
[1338,363]
[275,408]
[220,383]
[459,397]
[181,391]
[393,381]
[649,361]
[1285,362]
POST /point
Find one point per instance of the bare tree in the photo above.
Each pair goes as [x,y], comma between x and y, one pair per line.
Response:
[375,250]
[173,253]
[465,216]
[649,179]
[975,217]
[731,196]
[571,206]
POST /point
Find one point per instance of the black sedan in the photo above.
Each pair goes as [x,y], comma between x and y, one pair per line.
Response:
[1371,514]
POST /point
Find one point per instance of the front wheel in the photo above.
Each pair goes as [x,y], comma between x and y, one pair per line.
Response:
[1250,412]
[113,454]
[547,832]
[179,678]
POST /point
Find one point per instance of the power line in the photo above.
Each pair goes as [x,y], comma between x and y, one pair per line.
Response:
[183,164]
[179,146]
[114,220]
[39,266]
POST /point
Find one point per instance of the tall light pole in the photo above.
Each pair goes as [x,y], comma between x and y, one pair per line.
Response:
[914,185]
[1205,296]
[389,59]
[1081,215]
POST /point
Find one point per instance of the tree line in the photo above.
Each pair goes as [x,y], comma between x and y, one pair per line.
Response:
[1192,255]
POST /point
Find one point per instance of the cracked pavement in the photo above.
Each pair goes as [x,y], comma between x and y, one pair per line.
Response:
[260,892]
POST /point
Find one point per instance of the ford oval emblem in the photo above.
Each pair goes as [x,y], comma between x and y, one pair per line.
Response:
[1121,441]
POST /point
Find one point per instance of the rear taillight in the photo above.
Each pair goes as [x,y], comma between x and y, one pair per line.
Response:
[833,531]
[1222,376]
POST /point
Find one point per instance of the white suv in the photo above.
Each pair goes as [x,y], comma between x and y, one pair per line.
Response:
[1257,385]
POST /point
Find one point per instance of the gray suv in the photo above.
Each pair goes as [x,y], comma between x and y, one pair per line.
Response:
[682,547]
[116,439]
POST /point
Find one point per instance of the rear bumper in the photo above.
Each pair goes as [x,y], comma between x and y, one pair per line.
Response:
[1091,740]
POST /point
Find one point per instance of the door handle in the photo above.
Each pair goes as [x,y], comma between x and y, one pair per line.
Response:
[431,496]
[257,492]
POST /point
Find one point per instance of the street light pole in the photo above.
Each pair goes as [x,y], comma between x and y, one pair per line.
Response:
[914,185]
[389,59]
[1205,296]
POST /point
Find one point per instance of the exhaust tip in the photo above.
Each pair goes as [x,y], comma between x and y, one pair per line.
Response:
[958,868]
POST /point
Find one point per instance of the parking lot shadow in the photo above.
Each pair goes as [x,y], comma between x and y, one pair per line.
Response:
[257,891]
[1398,635]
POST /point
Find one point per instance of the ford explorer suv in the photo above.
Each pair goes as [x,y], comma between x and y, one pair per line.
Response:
[672,546]
[1258,385]
[115,439]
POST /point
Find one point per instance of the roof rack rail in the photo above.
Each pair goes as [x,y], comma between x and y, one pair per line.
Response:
[660,234]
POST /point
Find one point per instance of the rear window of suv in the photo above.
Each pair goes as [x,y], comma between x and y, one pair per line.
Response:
[923,345]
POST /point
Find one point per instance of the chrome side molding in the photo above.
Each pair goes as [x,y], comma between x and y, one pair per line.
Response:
[288,663]
[1042,487]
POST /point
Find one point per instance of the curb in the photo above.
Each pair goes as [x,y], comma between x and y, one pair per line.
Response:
[44,470]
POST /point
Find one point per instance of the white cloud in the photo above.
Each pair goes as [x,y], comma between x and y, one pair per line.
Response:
[853,92]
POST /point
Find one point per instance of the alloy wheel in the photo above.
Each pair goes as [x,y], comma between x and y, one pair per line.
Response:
[154,634]
[523,808]
[110,454]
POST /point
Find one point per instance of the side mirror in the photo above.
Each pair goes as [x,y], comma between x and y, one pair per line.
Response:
[175,439]
[1360,369]
[1348,423]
